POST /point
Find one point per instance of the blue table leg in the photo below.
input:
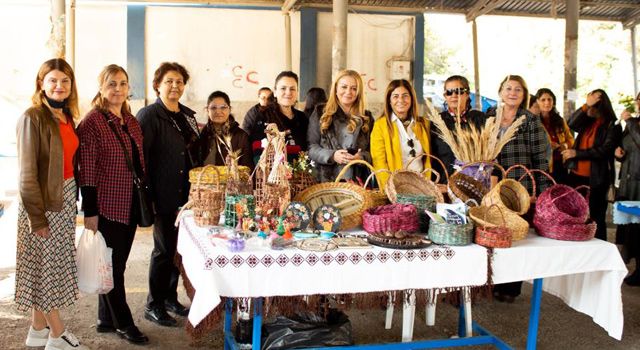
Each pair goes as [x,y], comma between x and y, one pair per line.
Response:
[257,323]
[228,310]
[534,314]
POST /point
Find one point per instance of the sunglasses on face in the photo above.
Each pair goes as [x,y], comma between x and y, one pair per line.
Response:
[457,91]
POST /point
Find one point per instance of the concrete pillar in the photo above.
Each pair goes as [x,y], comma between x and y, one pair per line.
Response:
[71,40]
[339,49]
[418,56]
[634,60]
[287,40]
[476,65]
[57,40]
[571,56]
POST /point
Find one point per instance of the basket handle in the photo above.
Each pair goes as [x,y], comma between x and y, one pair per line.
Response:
[484,162]
[351,163]
[366,183]
[444,168]
[576,190]
[202,171]
[553,181]
[526,172]
[504,222]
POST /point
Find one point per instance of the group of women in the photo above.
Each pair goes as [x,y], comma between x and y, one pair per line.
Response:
[111,148]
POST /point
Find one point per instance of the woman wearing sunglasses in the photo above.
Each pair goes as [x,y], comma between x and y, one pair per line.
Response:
[399,135]
[458,107]
[223,134]
[339,130]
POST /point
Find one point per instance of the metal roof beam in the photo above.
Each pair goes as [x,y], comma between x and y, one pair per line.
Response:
[631,21]
[482,7]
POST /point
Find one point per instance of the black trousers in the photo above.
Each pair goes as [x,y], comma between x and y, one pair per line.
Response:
[597,203]
[163,273]
[112,307]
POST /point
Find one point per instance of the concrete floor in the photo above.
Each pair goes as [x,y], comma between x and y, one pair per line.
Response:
[560,326]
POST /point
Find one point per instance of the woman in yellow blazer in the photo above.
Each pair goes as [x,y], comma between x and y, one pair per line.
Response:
[560,136]
[399,134]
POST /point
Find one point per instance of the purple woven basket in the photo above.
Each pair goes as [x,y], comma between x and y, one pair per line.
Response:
[561,204]
[391,217]
[566,232]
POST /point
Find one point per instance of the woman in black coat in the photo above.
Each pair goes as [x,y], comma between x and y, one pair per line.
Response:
[591,159]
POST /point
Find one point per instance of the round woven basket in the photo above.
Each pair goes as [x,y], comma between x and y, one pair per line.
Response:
[483,217]
[465,188]
[377,197]
[510,194]
[412,182]
[499,236]
[451,234]
[351,199]
[561,204]
[566,232]
[391,217]
[206,199]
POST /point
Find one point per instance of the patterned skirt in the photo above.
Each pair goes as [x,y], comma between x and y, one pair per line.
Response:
[46,272]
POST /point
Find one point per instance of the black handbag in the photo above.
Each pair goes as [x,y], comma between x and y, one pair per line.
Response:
[141,188]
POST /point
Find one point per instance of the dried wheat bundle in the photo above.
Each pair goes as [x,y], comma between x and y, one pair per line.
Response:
[473,145]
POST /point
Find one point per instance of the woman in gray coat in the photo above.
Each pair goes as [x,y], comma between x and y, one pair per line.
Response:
[339,131]
[629,155]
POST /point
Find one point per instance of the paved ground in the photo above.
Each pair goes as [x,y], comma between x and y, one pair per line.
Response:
[560,326]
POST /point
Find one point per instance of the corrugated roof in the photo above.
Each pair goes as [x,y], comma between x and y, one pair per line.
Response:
[626,11]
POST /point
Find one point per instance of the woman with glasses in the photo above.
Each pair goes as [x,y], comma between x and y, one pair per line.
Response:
[560,136]
[530,147]
[339,130]
[591,159]
[108,197]
[629,155]
[399,135]
[458,107]
[223,134]
[282,113]
[171,148]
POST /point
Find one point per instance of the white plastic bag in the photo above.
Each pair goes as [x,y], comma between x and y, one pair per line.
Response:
[95,270]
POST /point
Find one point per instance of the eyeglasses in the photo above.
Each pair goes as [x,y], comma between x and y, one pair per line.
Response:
[170,82]
[457,91]
[412,152]
[222,108]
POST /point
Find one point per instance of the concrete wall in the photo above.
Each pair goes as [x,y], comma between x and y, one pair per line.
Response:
[372,40]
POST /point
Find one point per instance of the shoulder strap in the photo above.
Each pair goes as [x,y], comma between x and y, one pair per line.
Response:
[121,142]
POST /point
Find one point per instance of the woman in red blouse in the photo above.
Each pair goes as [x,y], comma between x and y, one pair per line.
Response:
[108,198]
[46,273]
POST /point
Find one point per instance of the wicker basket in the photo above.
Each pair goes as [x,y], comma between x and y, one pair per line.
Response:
[236,203]
[510,193]
[272,186]
[519,227]
[422,203]
[206,199]
[499,236]
[411,182]
[391,217]
[561,204]
[378,197]
[300,181]
[465,188]
[479,170]
[566,232]
[351,199]
[451,234]
[218,173]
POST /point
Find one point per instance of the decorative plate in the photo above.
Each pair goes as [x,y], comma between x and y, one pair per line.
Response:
[327,218]
[297,215]
[398,240]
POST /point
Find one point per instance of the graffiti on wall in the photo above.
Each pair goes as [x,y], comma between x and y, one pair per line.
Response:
[242,77]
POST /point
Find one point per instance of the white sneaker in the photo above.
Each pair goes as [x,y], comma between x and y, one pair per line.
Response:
[37,338]
[66,341]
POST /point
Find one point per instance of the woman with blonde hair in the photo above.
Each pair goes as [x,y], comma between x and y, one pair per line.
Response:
[399,135]
[339,130]
[111,156]
[46,273]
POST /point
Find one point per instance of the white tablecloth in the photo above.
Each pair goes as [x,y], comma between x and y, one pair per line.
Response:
[586,275]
